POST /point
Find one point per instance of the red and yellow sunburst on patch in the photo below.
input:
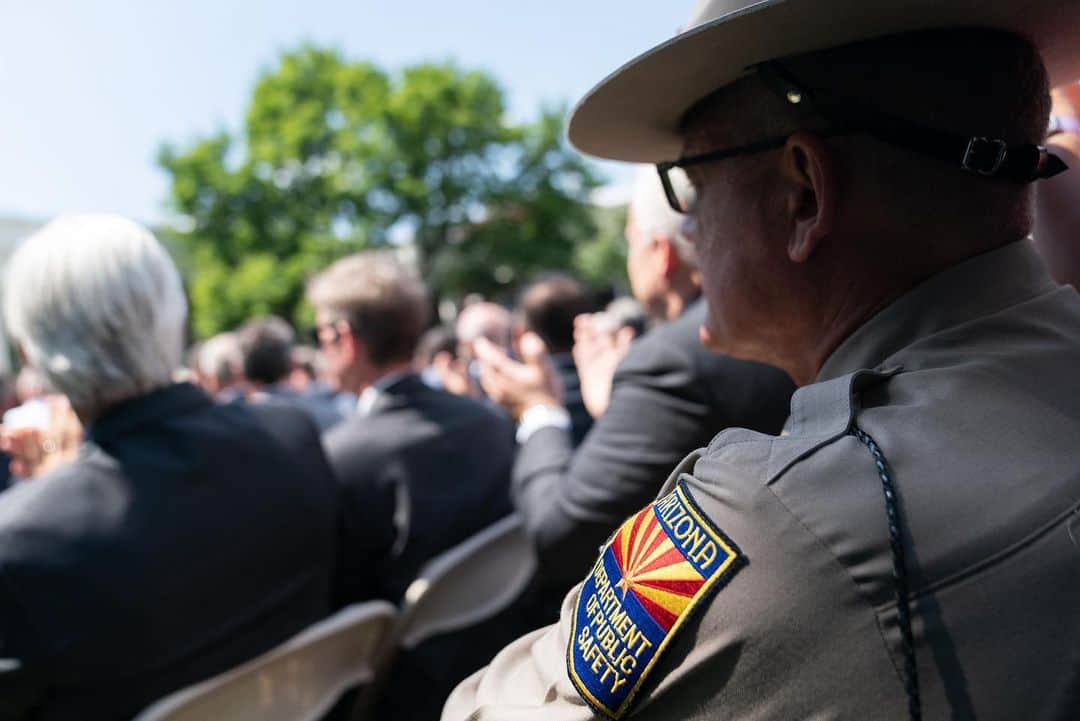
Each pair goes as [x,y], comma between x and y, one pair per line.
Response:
[654,570]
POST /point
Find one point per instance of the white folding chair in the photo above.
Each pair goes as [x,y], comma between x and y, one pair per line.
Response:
[468,584]
[297,681]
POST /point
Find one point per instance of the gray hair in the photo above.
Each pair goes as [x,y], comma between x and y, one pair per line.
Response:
[653,214]
[484,319]
[96,305]
[221,358]
[625,312]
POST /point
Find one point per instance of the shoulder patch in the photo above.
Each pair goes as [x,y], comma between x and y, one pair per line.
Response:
[650,577]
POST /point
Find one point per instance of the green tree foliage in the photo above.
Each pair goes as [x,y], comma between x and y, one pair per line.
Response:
[336,156]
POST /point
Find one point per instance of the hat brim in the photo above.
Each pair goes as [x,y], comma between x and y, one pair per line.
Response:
[634,114]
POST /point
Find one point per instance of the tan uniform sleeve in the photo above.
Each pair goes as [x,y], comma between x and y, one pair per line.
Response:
[527,681]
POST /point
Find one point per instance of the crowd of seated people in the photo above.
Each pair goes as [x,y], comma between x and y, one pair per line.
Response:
[184,536]
[373,453]
[169,516]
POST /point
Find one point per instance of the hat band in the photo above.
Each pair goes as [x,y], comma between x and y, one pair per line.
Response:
[988,157]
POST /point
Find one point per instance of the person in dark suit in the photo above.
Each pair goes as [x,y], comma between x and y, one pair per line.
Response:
[439,466]
[421,469]
[670,395]
[187,537]
[548,308]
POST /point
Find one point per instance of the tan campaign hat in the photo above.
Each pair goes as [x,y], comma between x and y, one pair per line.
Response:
[634,113]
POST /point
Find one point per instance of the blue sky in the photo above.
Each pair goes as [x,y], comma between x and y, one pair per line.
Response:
[90,89]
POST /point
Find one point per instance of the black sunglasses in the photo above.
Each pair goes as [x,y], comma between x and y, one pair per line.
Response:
[331,331]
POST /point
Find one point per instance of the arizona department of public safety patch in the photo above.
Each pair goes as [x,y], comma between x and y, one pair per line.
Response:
[659,566]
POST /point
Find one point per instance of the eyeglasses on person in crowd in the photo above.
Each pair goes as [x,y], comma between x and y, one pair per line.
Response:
[327,333]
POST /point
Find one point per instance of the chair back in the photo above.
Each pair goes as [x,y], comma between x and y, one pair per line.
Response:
[299,680]
[468,584]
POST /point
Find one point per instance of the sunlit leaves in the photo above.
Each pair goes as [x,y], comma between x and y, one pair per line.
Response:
[337,155]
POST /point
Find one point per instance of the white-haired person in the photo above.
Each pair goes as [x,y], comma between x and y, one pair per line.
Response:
[478,319]
[187,537]
[218,363]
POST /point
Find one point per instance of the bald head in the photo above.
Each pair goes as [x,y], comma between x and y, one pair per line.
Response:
[484,320]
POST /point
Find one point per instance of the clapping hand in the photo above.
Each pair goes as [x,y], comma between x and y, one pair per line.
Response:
[34,450]
[518,385]
[597,353]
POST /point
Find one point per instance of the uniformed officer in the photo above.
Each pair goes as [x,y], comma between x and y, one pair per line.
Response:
[864,176]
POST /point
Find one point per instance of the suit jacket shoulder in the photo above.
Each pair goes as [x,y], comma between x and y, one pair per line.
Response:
[736,392]
[118,573]
[668,348]
[291,426]
[670,395]
[423,472]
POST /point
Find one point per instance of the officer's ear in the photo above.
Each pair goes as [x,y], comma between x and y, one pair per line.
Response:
[809,169]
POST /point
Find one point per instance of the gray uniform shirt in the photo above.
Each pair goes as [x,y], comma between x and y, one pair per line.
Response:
[969,385]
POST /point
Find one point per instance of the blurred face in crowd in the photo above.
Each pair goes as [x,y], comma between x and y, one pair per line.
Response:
[482,320]
[338,347]
[370,311]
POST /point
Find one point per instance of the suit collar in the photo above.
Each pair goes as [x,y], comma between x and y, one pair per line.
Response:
[126,416]
[387,390]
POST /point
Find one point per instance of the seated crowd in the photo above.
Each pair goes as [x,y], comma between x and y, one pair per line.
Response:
[171,515]
[329,475]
